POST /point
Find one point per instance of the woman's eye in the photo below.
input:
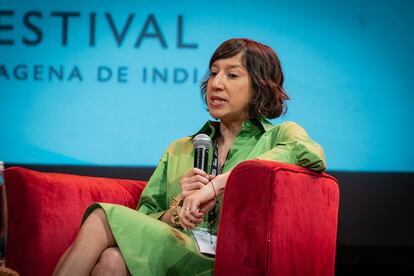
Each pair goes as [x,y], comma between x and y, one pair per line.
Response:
[232,75]
[213,74]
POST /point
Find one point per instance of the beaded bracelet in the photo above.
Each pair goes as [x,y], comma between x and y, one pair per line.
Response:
[214,189]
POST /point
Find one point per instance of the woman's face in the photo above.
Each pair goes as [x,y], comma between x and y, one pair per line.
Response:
[229,90]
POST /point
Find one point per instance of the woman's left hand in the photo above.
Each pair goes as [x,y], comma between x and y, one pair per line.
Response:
[204,199]
[190,214]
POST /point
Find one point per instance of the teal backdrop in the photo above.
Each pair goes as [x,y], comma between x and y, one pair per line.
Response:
[112,83]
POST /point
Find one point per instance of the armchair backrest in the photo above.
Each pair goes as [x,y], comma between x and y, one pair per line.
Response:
[45,212]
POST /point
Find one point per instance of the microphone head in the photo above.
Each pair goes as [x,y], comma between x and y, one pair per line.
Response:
[202,141]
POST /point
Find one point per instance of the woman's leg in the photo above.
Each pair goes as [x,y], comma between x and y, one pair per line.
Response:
[93,238]
[63,259]
[111,263]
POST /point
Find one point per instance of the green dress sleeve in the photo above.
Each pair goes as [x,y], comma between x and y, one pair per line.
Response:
[293,145]
[153,199]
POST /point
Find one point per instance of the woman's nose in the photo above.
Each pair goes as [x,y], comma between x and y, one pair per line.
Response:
[217,81]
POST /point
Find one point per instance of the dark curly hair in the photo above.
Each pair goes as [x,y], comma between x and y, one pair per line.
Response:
[265,71]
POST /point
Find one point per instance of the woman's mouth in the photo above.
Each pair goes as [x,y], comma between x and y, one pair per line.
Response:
[215,100]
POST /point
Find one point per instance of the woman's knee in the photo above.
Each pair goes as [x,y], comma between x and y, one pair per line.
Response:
[97,225]
[97,218]
[97,214]
[111,262]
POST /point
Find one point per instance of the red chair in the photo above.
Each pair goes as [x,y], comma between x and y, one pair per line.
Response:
[276,219]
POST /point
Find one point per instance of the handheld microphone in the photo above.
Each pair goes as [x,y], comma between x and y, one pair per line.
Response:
[202,144]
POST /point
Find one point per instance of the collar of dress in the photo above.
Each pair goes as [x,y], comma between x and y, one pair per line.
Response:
[211,127]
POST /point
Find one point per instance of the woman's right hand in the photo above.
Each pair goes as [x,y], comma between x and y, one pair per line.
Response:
[194,180]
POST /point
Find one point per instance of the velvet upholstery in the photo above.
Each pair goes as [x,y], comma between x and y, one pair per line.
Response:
[276,219]
[45,212]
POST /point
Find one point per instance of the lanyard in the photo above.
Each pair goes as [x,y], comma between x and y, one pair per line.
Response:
[215,170]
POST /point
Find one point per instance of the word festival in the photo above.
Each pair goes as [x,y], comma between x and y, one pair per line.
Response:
[67,24]
[102,74]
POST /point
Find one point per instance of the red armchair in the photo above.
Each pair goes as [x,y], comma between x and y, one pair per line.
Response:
[276,219]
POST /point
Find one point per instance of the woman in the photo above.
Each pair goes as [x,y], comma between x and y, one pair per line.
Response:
[244,88]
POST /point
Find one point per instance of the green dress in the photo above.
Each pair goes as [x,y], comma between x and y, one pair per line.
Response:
[152,247]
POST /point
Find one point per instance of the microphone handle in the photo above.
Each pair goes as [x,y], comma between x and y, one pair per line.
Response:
[201,159]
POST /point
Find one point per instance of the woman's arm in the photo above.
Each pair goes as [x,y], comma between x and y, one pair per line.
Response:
[294,146]
[153,198]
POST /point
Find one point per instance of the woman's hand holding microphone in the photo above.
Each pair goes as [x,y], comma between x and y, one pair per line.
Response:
[196,196]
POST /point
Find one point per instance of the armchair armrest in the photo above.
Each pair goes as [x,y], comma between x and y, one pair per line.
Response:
[277,219]
[45,212]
